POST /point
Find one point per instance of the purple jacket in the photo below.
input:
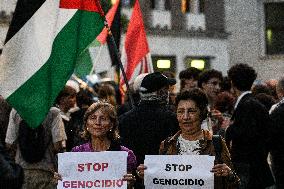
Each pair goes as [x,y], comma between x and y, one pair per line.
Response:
[131,158]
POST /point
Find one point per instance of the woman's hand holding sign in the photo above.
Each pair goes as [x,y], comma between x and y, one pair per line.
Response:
[140,170]
[221,170]
[130,180]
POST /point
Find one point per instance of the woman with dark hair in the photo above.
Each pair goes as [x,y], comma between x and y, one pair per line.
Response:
[106,92]
[189,78]
[192,140]
[101,131]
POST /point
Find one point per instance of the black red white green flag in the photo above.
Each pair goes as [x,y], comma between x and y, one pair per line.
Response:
[44,41]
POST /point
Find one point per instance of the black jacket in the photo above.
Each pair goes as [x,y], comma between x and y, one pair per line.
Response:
[11,174]
[277,150]
[143,128]
[249,136]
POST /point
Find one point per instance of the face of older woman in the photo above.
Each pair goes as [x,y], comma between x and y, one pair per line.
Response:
[98,124]
[188,115]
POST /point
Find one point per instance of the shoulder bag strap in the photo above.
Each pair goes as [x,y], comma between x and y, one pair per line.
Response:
[217,142]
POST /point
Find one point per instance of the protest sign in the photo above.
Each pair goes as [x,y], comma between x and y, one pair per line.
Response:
[179,171]
[92,170]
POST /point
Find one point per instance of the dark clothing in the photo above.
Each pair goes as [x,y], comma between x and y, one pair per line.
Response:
[277,150]
[73,129]
[143,128]
[249,136]
[127,105]
[5,110]
[70,133]
[76,124]
[11,174]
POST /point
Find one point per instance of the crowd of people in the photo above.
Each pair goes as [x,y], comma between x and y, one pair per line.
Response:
[234,118]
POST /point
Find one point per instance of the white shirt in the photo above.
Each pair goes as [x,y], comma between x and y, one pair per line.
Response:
[240,97]
[274,106]
[188,147]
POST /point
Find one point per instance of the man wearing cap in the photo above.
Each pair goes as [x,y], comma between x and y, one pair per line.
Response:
[144,127]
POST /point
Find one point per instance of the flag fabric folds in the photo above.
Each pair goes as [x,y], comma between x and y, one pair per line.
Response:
[41,51]
[86,61]
[136,56]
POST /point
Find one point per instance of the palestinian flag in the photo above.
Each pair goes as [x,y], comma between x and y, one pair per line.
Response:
[98,51]
[44,41]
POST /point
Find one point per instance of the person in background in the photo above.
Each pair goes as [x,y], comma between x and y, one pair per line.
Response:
[144,127]
[11,174]
[5,110]
[263,94]
[267,100]
[134,87]
[66,100]
[37,173]
[271,84]
[209,81]
[189,78]
[101,132]
[106,93]
[84,99]
[172,93]
[192,140]
[261,88]
[225,85]
[249,133]
[277,151]
[222,113]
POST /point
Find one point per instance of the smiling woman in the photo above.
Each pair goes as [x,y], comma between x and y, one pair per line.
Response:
[101,132]
[101,125]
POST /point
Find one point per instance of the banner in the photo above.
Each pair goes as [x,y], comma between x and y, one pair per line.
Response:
[179,171]
[92,170]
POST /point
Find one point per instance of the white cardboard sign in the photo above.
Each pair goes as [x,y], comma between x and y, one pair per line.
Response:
[179,171]
[92,169]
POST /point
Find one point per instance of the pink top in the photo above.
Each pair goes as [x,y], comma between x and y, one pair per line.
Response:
[131,158]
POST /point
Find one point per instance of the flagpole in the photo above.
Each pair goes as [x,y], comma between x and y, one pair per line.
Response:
[120,64]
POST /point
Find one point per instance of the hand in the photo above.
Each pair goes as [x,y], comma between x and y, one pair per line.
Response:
[140,170]
[56,177]
[130,179]
[221,170]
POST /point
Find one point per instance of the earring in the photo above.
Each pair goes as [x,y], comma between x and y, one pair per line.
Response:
[110,130]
